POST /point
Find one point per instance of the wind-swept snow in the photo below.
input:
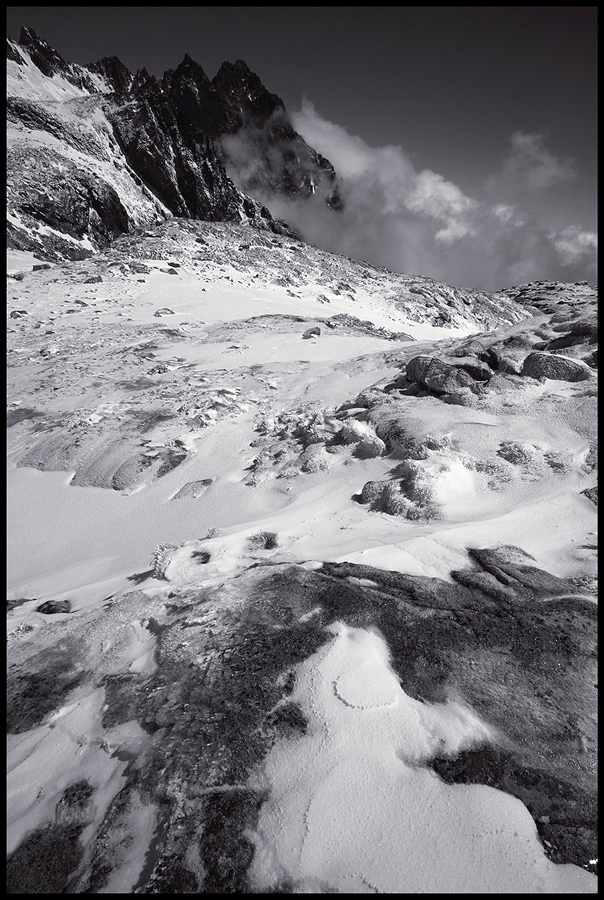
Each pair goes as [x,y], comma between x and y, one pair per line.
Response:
[201,421]
[352,808]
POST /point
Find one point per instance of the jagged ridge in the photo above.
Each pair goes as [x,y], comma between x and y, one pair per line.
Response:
[158,142]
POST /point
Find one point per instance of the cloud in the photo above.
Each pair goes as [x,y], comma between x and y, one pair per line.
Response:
[417,222]
[573,244]
[443,201]
[531,165]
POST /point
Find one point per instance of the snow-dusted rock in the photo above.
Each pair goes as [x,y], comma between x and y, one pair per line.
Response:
[560,368]
[432,374]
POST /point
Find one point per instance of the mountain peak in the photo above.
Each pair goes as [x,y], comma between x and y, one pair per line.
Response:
[245,91]
[196,100]
[114,71]
[143,82]
[189,61]
[48,60]
[189,67]
[240,67]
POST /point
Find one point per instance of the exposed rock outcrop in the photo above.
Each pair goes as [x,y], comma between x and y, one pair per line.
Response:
[500,635]
[115,73]
[50,62]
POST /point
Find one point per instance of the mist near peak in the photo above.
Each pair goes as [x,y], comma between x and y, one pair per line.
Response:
[417,222]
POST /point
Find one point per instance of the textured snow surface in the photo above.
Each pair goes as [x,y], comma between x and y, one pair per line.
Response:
[172,431]
[352,809]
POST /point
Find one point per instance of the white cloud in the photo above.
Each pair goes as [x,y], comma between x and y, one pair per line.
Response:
[506,214]
[442,200]
[419,223]
[573,244]
[453,232]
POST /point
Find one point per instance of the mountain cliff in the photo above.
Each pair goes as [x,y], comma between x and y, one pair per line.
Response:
[260,146]
[95,151]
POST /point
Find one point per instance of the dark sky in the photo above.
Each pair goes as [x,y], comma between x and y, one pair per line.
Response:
[448,85]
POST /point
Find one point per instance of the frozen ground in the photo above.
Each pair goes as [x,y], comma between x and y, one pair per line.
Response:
[202,421]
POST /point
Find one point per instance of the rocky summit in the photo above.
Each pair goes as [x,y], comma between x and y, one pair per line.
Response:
[301,562]
[95,151]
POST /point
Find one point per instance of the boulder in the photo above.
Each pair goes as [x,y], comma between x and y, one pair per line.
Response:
[561,343]
[372,491]
[370,447]
[408,496]
[578,329]
[559,368]
[478,369]
[314,459]
[400,441]
[368,444]
[192,490]
[52,607]
[439,377]
[416,368]
[473,347]
[311,332]
[503,362]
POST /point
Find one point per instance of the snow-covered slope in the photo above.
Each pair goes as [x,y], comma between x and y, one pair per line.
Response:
[301,570]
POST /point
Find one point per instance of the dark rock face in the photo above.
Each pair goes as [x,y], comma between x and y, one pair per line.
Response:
[81,202]
[533,635]
[48,61]
[268,155]
[44,861]
[176,159]
[114,71]
[13,54]
[52,607]
[19,601]
[75,204]
[199,105]
[245,93]
[38,686]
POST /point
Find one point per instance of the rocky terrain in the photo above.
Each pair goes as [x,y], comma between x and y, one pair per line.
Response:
[302,576]
[95,151]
